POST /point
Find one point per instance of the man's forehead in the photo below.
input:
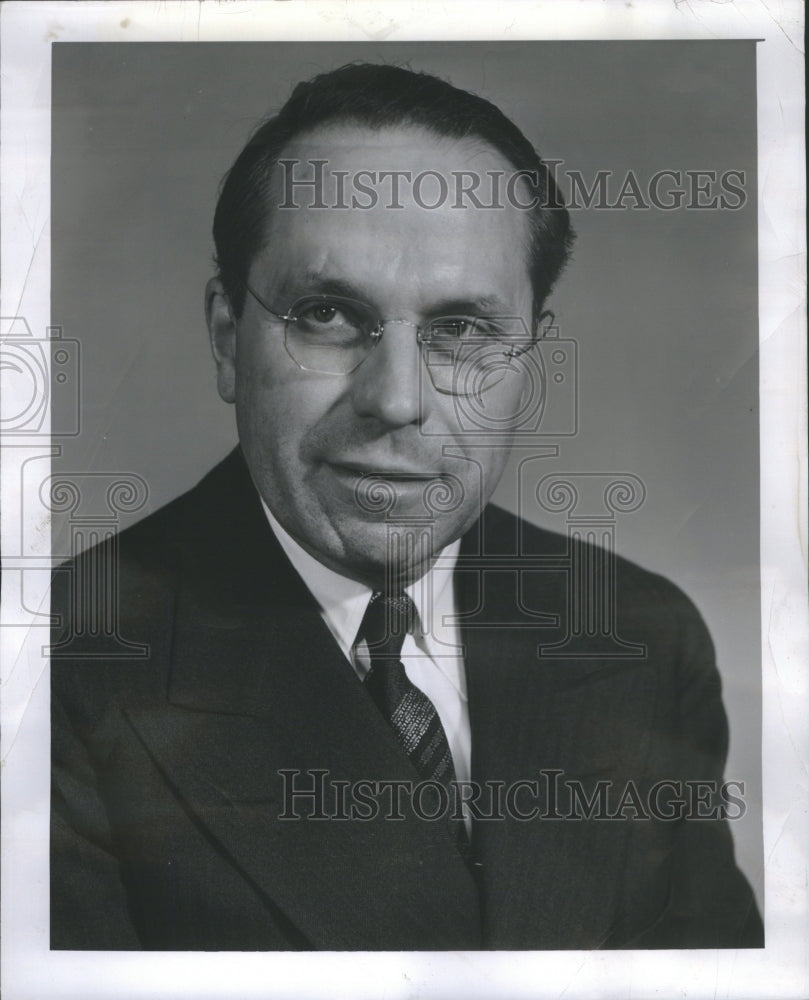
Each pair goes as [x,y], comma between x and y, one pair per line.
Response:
[365,171]
[398,183]
[337,209]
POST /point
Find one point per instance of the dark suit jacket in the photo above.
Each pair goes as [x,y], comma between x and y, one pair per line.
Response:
[166,792]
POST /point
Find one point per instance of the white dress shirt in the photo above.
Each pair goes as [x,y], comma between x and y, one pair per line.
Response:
[431,654]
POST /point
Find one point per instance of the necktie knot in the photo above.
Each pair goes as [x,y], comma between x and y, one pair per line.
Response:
[388,619]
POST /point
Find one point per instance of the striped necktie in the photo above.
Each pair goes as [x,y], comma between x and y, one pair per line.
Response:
[409,711]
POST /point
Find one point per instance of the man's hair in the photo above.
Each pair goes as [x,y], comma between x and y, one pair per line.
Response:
[380,96]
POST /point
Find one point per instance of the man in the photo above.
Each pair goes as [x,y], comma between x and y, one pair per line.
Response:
[351,729]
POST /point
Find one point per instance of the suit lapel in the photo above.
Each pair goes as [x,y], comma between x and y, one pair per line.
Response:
[546,881]
[259,686]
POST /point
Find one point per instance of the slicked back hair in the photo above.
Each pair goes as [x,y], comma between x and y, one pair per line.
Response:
[380,96]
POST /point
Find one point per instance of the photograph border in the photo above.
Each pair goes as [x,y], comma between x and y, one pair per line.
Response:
[29,969]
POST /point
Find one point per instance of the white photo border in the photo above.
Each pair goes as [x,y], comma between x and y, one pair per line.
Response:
[781,970]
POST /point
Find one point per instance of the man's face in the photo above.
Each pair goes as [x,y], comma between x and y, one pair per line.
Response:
[312,440]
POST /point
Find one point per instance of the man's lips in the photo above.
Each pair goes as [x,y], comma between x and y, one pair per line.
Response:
[361,471]
[375,491]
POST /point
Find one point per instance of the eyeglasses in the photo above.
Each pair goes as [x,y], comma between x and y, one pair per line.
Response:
[333,335]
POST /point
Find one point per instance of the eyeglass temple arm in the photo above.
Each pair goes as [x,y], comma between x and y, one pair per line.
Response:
[264,305]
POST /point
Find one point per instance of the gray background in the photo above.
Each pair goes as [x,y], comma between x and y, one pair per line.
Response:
[663,305]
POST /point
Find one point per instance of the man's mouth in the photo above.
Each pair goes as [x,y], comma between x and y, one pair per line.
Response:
[394,474]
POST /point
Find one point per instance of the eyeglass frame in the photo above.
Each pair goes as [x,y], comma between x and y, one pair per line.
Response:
[377,332]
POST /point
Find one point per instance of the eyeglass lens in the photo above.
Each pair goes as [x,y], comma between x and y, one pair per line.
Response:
[334,335]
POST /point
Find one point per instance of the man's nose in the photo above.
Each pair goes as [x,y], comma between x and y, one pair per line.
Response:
[390,384]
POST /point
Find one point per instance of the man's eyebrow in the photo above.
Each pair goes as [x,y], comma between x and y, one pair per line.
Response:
[477,305]
[316,283]
[490,304]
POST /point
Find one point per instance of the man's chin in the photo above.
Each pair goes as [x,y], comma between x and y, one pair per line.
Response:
[385,555]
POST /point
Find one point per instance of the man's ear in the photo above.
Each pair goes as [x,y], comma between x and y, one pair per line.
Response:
[543,324]
[222,330]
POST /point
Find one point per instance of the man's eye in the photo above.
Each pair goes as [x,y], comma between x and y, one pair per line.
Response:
[322,314]
[489,328]
[452,327]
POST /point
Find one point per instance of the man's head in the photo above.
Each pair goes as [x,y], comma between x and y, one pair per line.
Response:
[332,422]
